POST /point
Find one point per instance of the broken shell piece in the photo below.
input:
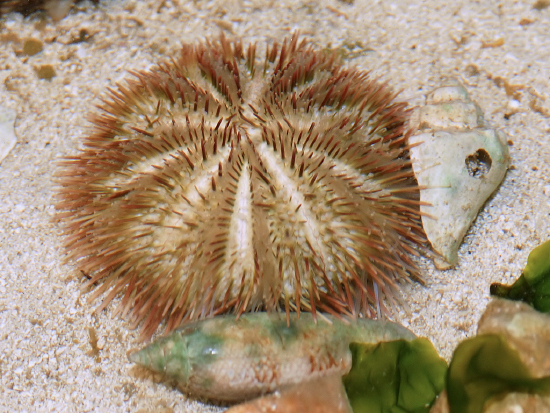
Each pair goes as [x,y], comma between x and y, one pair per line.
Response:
[56,9]
[322,395]
[459,161]
[7,131]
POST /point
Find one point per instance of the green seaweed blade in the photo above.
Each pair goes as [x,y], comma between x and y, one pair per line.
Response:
[394,377]
[533,286]
[484,368]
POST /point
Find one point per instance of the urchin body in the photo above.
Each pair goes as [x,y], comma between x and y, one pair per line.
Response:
[223,182]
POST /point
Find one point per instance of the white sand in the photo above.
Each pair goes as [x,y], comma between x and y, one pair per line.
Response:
[46,363]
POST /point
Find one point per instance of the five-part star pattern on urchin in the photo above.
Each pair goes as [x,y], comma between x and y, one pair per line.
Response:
[220,181]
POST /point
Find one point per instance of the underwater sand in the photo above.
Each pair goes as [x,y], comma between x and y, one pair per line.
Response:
[500,51]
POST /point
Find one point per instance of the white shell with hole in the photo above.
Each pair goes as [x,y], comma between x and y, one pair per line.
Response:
[459,161]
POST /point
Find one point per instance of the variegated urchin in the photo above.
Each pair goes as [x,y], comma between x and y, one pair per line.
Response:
[220,181]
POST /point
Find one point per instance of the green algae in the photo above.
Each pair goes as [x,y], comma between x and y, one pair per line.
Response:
[533,286]
[394,377]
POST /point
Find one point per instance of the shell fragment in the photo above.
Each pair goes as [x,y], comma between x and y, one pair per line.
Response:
[7,132]
[458,161]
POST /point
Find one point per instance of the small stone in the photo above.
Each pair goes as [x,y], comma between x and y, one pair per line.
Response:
[46,72]
[526,330]
[32,47]
[541,4]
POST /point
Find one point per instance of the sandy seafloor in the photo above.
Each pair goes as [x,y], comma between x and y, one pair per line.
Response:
[46,362]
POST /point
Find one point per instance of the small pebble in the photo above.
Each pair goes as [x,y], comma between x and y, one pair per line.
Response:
[46,72]
[32,47]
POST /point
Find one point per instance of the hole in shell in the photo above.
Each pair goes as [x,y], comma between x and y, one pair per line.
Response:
[479,163]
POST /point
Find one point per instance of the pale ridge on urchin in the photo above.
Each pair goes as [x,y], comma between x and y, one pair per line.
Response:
[220,182]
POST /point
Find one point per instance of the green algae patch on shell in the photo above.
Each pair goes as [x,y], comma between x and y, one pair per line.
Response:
[533,286]
[484,369]
[395,376]
[232,360]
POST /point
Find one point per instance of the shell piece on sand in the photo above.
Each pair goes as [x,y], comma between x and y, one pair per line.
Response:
[7,131]
[459,161]
[56,9]
[323,395]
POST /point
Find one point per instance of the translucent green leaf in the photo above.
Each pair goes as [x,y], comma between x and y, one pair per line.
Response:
[485,368]
[397,376]
[533,287]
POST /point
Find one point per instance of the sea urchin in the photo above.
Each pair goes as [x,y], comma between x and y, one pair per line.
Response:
[222,182]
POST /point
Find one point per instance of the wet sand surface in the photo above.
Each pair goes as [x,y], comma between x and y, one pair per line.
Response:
[48,360]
